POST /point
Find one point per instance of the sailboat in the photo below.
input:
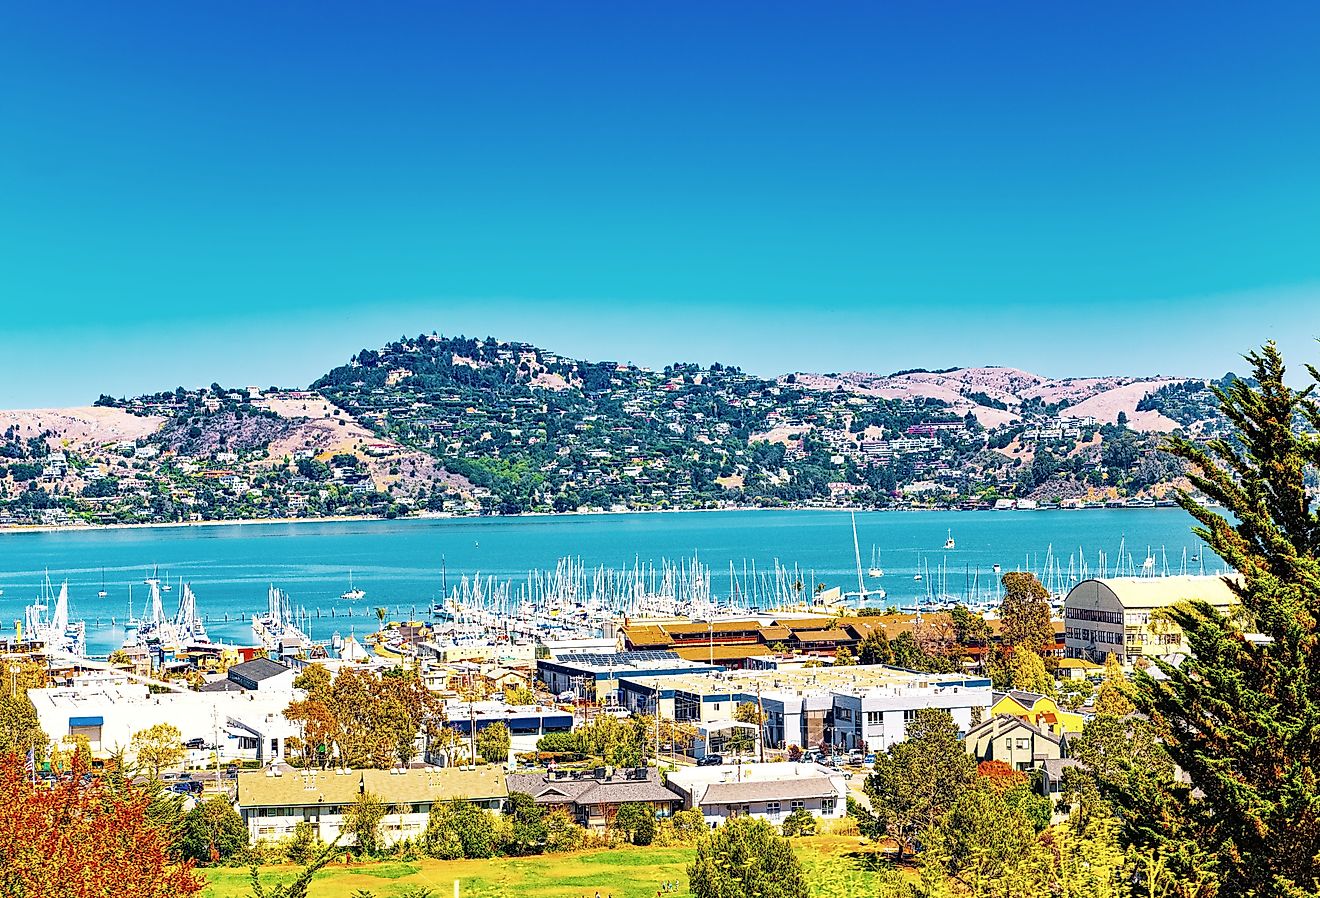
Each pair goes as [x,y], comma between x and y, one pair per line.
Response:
[917,576]
[353,593]
[948,543]
[102,594]
[875,570]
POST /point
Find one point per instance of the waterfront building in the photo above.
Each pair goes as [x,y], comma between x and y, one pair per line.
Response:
[768,791]
[1125,616]
[856,707]
[274,801]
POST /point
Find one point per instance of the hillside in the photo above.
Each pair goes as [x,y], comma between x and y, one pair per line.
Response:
[459,425]
[1004,396]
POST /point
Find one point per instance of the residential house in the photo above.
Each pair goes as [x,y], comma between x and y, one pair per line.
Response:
[768,791]
[593,797]
[1038,709]
[1019,744]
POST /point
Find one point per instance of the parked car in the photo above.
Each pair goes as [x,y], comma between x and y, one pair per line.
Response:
[869,760]
[711,761]
[856,757]
[616,711]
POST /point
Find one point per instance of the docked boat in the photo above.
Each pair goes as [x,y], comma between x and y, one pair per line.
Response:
[277,630]
[56,632]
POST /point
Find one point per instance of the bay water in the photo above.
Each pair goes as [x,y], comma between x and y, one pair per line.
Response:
[399,563]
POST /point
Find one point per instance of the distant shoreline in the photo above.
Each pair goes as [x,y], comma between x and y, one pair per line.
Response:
[444,516]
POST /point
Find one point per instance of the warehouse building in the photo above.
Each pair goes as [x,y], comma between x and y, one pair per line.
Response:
[1126,616]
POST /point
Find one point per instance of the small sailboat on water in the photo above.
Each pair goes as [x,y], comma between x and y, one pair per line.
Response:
[102,594]
[948,542]
[875,570]
[353,593]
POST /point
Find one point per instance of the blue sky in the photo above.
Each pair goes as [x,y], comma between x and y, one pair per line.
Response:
[251,192]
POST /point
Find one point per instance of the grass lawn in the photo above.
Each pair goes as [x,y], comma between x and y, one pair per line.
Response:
[834,866]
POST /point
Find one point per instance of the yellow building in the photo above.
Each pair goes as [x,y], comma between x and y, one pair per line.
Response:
[1040,710]
[1125,615]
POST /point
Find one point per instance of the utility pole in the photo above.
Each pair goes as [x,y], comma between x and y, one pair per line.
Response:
[760,721]
[657,724]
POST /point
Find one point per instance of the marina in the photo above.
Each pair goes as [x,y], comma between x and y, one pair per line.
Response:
[528,572]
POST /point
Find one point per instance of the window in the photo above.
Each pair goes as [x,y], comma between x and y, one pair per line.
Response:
[772,808]
[1103,617]
[1023,744]
[798,805]
[843,713]
[910,715]
[827,805]
[874,718]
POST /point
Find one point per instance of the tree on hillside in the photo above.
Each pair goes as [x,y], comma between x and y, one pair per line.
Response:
[1024,613]
[158,747]
[1241,716]
[746,857]
[988,846]
[83,838]
[916,781]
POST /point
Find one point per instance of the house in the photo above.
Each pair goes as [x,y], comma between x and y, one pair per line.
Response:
[1079,669]
[1038,709]
[1016,742]
[274,801]
[1051,780]
[593,797]
[768,791]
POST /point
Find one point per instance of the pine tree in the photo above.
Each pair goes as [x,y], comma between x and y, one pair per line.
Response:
[1241,716]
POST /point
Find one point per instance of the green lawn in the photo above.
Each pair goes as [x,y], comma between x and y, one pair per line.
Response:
[834,864]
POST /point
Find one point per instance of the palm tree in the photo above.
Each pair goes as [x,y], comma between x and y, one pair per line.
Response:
[380,616]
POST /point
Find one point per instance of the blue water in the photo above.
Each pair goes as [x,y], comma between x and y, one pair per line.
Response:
[398,563]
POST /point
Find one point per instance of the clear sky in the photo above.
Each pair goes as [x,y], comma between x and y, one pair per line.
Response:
[250,192]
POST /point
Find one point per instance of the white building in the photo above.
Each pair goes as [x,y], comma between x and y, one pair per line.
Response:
[274,801]
[249,725]
[855,707]
[768,791]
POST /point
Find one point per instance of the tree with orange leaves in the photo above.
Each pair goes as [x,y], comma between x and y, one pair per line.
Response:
[999,776]
[82,838]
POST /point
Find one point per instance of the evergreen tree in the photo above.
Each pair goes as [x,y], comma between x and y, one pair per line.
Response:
[1024,614]
[917,780]
[1241,716]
